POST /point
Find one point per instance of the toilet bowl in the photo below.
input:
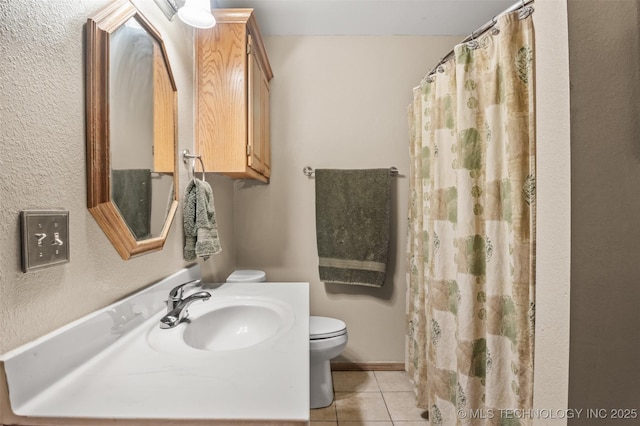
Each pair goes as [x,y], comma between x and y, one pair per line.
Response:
[327,339]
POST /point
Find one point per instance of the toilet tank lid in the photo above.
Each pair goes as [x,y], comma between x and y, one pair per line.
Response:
[324,327]
[247,276]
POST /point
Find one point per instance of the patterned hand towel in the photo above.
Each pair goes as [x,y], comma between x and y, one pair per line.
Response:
[352,225]
[200,227]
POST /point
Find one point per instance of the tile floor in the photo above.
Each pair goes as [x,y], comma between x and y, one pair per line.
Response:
[370,398]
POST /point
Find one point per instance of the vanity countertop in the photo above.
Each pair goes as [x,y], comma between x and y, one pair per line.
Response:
[123,377]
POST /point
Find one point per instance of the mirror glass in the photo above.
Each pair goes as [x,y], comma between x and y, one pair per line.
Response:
[131,130]
[141,178]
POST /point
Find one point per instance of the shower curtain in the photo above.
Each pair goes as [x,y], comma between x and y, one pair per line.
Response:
[471,239]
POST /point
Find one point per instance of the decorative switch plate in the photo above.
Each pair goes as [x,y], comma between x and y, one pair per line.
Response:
[45,238]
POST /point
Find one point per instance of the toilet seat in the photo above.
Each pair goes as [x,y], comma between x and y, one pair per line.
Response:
[325,328]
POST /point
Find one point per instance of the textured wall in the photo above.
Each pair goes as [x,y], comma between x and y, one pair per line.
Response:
[605,171]
[42,165]
[336,102]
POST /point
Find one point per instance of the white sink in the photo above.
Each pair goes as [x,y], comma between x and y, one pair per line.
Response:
[242,356]
[236,324]
[225,324]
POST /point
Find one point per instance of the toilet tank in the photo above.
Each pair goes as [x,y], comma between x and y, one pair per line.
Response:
[247,276]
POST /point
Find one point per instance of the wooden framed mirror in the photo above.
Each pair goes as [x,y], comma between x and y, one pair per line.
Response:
[131,119]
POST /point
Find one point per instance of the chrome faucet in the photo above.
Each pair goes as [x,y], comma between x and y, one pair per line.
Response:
[175,295]
[177,306]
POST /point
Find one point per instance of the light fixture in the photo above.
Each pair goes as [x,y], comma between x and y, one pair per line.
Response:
[196,13]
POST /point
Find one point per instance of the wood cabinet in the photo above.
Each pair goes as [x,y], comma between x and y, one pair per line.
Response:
[232,91]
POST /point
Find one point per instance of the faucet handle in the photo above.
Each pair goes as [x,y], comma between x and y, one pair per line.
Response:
[181,312]
[175,295]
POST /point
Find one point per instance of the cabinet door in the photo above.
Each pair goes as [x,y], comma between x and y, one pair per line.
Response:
[258,149]
[266,119]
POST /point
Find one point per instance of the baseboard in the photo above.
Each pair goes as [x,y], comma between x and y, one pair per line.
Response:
[367,366]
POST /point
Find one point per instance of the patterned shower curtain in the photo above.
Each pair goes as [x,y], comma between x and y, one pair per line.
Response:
[471,242]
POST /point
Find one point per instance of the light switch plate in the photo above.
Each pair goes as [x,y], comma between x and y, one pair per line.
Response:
[45,238]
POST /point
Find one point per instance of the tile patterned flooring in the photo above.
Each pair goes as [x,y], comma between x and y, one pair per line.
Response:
[370,398]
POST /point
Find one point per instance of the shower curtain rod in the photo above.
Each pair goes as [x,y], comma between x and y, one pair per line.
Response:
[483,29]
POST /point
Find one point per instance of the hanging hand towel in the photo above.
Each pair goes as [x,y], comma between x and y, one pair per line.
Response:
[352,225]
[200,227]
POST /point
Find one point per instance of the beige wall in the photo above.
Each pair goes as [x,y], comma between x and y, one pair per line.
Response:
[337,102]
[605,158]
[553,205]
[42,165]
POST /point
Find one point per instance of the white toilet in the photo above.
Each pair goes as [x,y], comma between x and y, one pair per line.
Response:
[247,276]
[327,339]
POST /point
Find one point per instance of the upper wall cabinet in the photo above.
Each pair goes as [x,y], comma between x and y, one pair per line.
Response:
[233,74]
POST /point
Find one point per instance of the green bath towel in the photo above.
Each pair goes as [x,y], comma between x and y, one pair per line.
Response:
[353,210]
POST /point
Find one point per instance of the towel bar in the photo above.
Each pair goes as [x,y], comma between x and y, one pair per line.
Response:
[308,171]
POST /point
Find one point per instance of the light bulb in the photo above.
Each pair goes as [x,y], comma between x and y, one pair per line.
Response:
[197,13]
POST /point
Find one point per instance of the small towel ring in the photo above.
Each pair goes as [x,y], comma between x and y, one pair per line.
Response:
[186,156]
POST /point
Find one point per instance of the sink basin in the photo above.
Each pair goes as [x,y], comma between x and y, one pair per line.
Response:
[234,326]
[225,324]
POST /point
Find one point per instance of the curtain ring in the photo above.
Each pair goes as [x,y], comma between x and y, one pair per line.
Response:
[525,11]
[473,43]
[494,23]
